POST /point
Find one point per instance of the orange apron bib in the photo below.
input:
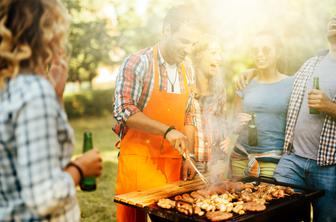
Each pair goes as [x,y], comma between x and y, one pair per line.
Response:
[146,160]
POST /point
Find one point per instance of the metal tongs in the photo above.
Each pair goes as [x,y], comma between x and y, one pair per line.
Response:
[202,177]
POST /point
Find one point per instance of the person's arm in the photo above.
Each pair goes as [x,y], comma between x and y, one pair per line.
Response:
[319,100]
[129,86]
[238,104]
[45,187]
[245,78]
[89,163]
[142,122]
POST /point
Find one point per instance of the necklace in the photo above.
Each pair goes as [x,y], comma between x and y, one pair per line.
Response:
[172,84]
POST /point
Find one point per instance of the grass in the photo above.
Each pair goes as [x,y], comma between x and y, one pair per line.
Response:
[98,205]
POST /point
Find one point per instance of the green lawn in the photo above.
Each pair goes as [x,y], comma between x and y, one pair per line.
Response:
[98,206]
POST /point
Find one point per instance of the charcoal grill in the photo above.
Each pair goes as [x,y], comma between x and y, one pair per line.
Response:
[288,209]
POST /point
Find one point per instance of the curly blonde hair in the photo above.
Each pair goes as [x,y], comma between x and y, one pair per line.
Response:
[201,46]
[32,34]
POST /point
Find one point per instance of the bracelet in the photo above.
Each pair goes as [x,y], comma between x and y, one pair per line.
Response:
[80,171]
[168,130]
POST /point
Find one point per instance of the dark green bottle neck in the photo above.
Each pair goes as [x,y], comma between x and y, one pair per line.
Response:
[87,144]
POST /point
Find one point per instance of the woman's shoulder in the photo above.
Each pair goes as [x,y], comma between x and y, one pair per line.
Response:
[287,78]
[30,87]
[284,79]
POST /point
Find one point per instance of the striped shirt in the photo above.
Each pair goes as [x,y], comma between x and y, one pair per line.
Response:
[135,83]
[327,148]
[36,143]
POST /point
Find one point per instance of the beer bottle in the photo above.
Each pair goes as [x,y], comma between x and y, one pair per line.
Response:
[252,131]
[88,183]
[316,85]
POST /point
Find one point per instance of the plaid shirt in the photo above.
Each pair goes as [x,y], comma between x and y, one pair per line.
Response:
[36,143]
[327,148]
[210,124]
[134,86]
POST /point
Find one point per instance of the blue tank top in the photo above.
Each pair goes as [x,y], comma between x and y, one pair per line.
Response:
[269,102]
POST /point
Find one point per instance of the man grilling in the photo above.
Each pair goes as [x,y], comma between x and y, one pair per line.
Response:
[151,109]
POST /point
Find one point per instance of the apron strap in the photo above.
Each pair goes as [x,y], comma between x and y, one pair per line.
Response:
[156,71]
[156,67]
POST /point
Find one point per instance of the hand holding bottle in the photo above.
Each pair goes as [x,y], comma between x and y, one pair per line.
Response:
[90,163]
[316,86]
[252,131]
[318,102]
[243,120]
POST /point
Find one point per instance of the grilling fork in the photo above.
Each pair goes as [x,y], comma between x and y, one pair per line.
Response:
[202,177]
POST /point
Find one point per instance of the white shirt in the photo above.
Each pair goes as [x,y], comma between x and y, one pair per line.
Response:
[173,78]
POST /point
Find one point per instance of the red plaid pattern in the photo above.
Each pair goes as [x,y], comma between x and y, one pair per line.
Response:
[327,147]
[209,130]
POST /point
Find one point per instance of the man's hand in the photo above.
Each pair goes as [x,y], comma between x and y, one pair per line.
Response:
[319,100]
[188,172]
[244,79]
[178,140]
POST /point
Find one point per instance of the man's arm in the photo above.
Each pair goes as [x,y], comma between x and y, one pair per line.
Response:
[129,85]
[142,122]
[245,78]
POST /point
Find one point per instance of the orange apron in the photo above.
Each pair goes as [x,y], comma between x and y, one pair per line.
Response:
[146,160]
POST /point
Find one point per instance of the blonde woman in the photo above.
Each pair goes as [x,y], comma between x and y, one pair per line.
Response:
[209,100]
[37,177]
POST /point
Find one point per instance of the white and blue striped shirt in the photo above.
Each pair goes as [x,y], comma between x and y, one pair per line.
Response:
[36,143]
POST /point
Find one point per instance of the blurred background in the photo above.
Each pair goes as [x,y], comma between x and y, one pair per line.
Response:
[104,32]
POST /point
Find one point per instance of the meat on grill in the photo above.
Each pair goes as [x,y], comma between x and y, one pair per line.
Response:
[221,201]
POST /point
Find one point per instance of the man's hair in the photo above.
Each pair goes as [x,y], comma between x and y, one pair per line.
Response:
[180,15]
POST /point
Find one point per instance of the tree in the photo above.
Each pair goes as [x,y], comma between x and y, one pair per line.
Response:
[90,39]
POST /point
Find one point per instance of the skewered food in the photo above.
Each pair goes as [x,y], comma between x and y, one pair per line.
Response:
[222,201]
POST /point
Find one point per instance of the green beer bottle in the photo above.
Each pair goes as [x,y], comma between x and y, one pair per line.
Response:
[252,131]
[88,183]
[316,85]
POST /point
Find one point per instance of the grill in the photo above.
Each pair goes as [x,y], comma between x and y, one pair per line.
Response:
[291,208]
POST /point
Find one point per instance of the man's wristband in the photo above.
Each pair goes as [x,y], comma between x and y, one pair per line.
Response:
[80,171]
[167,131]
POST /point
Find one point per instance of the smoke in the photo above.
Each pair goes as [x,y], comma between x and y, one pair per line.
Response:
[219,126]
[301,24]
